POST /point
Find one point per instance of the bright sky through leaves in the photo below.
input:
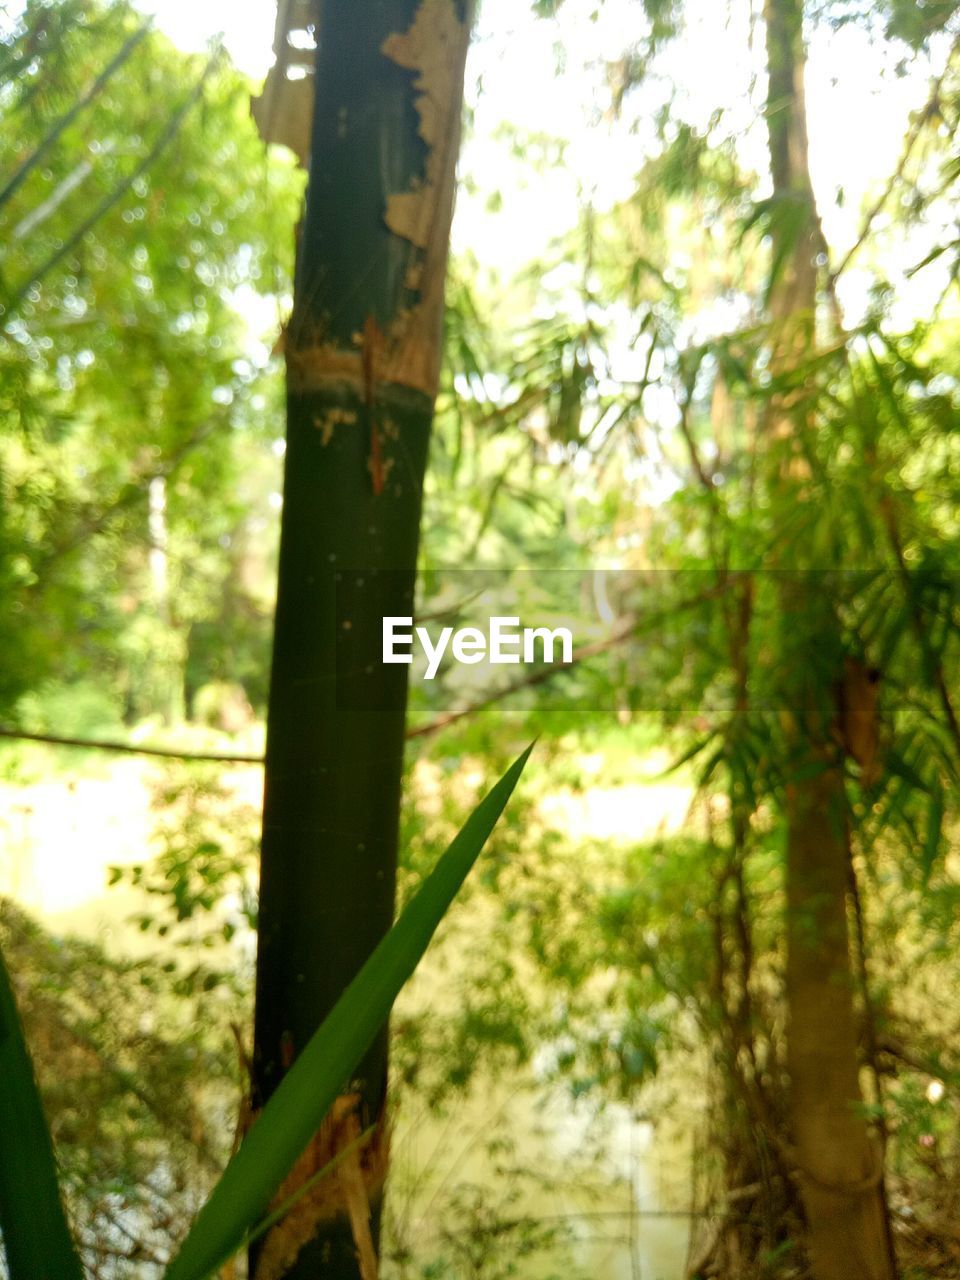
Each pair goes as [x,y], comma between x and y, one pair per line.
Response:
[858,104]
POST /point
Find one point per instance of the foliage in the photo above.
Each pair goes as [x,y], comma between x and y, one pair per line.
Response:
[293,1115]
[124,363]
[137,1083]
[609,411]
[203,874]
[694,929]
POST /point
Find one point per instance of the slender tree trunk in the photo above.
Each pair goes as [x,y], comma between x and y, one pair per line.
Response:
[363,352]
[840,1163]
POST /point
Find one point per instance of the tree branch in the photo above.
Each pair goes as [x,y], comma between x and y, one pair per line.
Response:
[66,120]
[926,112]
[631,629]
[126,748]
[165,138]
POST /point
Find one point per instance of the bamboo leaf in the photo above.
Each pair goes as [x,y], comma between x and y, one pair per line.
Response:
[688,755]
[708,770]
[898,766]
[36,1238]
[295,1111]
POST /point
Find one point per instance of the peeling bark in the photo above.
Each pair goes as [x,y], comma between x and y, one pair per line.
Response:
[353,1181]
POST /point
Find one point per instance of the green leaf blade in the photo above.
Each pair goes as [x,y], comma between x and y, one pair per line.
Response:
[36,1238]
[318,1075]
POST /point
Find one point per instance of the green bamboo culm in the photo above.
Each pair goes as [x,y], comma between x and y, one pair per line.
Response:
[363,352]
[36,1238]
[294,1113]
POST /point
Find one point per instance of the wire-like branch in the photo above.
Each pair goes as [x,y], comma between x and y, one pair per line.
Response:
[66,120]
[633,628]
[527,682]
[630,630]
[39,215]
[127,748]
[415,731]
[929,109]
[695,460]
[165,138]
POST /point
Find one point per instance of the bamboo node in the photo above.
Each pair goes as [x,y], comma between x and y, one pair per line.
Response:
[318,364]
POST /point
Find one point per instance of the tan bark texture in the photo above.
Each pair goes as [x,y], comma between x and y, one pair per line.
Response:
[840,1162]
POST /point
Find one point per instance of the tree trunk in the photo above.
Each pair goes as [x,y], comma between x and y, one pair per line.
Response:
[840,1164]
[363,353]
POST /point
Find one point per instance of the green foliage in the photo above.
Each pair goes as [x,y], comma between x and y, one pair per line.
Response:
[913,23]
[36,1238]
[134,1078]
[85,708]
[203,874]
[308,1090]
[127,363]
[484,1237]
[839,471]
[618,413]
[37,1235]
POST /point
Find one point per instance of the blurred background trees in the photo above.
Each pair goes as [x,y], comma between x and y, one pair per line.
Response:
[609,412]
[136,482]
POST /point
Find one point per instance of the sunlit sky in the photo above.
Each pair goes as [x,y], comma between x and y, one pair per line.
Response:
[858,109]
